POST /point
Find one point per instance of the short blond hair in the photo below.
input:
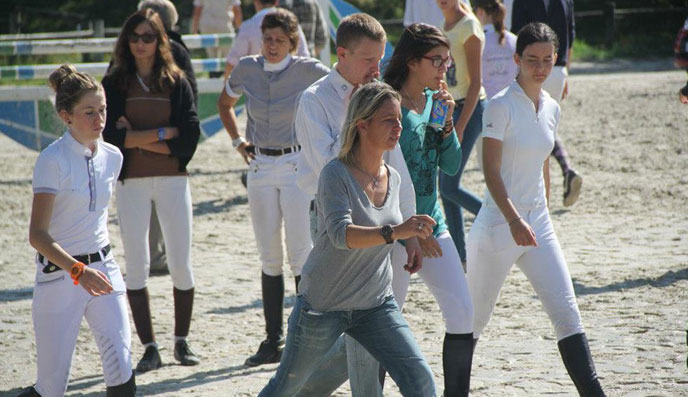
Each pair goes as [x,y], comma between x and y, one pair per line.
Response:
[355,27]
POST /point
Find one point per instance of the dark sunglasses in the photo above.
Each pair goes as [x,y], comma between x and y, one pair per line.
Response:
[438,62]
[146,37]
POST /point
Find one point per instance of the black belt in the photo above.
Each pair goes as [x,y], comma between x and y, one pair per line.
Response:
[278,152]
[86,259]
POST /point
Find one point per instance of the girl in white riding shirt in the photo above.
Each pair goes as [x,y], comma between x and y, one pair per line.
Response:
[513,225]
[76,275]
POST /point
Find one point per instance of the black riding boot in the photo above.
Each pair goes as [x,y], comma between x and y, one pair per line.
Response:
[575,353]
[273,296]
[124,390]
[29,392]
[457,357]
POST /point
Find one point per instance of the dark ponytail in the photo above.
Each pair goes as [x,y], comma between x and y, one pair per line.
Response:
[497,11]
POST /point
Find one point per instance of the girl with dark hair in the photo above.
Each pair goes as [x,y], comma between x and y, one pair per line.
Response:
[271,83]
[499,69]
[152,119]
[76,274]
[467,41]
[416,70]
[513,225]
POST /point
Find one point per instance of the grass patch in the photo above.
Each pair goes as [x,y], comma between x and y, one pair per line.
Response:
[629,47]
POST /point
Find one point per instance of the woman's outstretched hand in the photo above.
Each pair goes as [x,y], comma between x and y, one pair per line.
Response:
[522,233]
[95,282]
[416,226]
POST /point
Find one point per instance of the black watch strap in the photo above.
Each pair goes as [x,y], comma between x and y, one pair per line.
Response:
[386,232]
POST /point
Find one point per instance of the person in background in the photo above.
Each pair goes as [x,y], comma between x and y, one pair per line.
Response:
[312,22]
[182,57]
[346,284]
[152,119]
[416,69]
[424,11]
[76,273]
[557,14]
[514,225]
[681,58]
[464,78]
[499,69]
[249,41]
[271,84]
[216,16]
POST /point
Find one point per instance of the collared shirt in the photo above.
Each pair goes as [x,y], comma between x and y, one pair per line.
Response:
[216,15]
[272,92]
[558,14]
[527,140]
[248,40]
[311,20]
[499,68]
[319,121]
[82,183]
[458,78]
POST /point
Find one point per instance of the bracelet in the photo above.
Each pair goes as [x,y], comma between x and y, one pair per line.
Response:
[161,134]
[515,220]
[236,142]
[76,271]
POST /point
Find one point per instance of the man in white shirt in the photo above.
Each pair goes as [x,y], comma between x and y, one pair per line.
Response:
[319,120]
[248,40]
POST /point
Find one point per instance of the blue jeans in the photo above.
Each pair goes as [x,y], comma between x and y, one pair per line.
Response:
[454,197]
[381,330]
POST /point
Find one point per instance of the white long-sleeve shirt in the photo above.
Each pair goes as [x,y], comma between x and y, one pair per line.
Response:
[319,120]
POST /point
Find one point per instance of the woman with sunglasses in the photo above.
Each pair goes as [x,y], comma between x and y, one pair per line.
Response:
[271,83]
[152,119]
[464,78]
[416,70]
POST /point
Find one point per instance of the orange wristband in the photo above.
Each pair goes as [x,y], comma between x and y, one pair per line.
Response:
[76,271]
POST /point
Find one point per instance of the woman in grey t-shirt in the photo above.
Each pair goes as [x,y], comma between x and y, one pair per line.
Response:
[346,280]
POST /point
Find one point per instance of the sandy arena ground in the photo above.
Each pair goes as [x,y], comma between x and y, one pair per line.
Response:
[626,242]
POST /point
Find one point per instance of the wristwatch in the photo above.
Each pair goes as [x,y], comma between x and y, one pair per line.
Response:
[238,141]
[386,232]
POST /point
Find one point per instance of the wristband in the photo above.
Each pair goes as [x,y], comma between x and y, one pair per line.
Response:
[161,134]
[238,141]
[76,271]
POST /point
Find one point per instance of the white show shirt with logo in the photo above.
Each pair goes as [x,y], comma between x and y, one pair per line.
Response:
[82,183]
[527,140]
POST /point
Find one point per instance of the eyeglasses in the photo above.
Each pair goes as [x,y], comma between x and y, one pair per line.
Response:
[438,62]
[146,37]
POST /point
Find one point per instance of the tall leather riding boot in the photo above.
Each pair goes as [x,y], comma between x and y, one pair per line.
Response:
[273,302]
[183,308]
[297,281]
[124,390]
[575,353]
[140,311]
[457,357]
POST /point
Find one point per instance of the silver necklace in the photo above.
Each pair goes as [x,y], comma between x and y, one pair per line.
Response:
[143,85]
[418,109]
[374,179]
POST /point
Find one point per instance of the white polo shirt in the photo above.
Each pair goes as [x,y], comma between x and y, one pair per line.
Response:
[249,39]
[527,140]
[319,121]
[82,183]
